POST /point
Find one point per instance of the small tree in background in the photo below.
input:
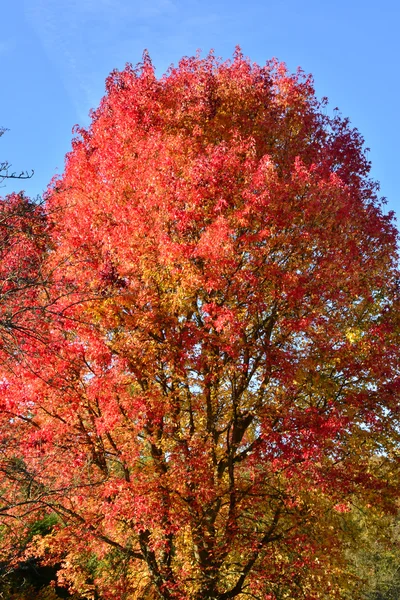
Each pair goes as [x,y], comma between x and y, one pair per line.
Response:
[219,380]
[23,242]
[5,167]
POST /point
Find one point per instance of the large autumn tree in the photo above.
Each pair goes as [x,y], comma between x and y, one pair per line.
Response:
[219,383]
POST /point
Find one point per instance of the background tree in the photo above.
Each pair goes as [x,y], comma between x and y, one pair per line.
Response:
[5,167]
[376,559]
[220,379]
[23,242]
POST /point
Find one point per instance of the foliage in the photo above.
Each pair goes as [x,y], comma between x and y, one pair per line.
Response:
[23,241]
[215,370]
[376,560]
[25,579]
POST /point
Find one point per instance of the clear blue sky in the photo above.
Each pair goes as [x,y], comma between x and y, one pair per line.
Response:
[56,54]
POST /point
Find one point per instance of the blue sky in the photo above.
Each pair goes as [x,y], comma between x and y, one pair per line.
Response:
[56,54]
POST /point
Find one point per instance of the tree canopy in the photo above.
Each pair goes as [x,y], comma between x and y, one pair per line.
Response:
[213,381]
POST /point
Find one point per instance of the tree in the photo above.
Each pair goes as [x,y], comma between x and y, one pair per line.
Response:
[376,557]
[220,379]
[5,168]
[23,242]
